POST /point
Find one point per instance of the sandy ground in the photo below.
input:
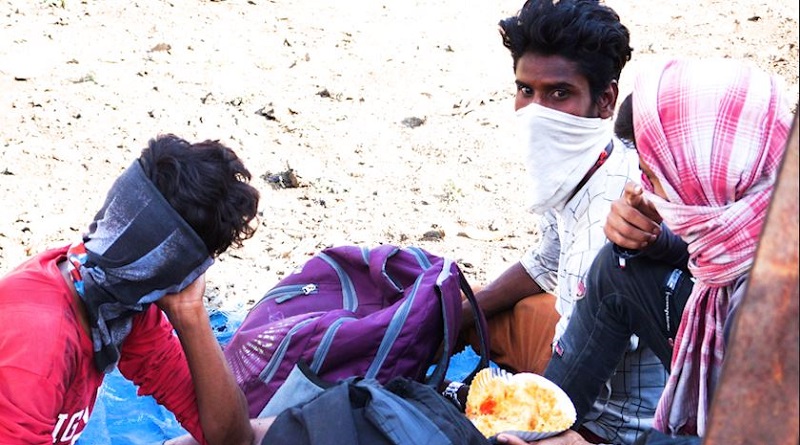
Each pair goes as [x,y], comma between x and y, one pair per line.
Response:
[330,90]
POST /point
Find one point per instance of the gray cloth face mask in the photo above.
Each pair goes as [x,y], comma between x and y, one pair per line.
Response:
[138,250]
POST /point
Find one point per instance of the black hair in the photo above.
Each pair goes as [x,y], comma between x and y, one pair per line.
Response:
[208,185]
[623,124]
[584,31]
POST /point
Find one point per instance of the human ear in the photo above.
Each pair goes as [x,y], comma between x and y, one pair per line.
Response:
[607,101]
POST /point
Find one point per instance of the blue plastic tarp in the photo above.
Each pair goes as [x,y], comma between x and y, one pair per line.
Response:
[120,417]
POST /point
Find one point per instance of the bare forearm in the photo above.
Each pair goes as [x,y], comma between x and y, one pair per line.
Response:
[503,293]
[260,428]
[221,404]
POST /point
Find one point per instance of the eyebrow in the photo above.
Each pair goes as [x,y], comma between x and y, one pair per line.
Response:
[550,85]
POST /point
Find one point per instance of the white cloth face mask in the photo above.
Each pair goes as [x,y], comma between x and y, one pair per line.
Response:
[558,149]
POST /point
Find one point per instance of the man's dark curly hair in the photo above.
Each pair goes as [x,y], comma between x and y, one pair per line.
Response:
[623,124]
[208,185]
[583,31]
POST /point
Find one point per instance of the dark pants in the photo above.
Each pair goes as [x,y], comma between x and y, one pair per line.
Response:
[644,297]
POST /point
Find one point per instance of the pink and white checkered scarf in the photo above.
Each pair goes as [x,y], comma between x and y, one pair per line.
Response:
[713,132]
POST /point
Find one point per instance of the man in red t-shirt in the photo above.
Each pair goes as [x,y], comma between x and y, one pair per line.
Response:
[70,315]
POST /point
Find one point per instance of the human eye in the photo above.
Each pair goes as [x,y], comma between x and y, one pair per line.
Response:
[525,90]
[560,94]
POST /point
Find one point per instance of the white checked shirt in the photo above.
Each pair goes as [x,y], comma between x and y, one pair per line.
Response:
[570,241]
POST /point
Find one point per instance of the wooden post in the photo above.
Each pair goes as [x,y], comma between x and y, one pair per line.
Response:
[757,399]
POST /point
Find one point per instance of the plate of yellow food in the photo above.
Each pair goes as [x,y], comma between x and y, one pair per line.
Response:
[524,404]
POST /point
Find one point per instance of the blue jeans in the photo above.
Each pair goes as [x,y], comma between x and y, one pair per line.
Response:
[634,295]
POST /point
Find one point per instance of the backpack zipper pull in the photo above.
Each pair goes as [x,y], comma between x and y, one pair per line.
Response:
[307,289]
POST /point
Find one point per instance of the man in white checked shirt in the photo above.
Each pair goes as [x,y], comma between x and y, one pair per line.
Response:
[567,60]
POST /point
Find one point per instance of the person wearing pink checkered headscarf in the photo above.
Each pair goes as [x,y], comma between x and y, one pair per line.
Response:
[710,135]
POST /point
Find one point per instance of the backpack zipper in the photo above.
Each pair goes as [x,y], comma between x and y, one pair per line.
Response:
[325,343]
[272,365]
[306,289]
[284,293]
[365,252]
[422,259]
[398,320]
[349,298]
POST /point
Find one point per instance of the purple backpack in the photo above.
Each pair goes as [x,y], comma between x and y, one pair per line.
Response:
[352,311]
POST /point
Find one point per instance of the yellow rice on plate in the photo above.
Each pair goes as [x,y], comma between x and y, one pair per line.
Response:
[502,402]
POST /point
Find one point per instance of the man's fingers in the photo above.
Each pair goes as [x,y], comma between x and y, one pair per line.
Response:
[628,240]
[648,209]
[510,439]
[624,215]
[629,228]
[633,194]
[191,295]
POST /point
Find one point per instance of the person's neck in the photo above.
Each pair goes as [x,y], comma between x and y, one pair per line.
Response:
[80,313]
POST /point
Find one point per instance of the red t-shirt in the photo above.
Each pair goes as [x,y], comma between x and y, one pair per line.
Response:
[48,381]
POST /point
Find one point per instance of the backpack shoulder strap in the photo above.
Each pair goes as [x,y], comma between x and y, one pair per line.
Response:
[454,424]
[481,327]
[401,421]
[437,376]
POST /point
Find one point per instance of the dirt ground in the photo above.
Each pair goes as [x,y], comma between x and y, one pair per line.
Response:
[394,116]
